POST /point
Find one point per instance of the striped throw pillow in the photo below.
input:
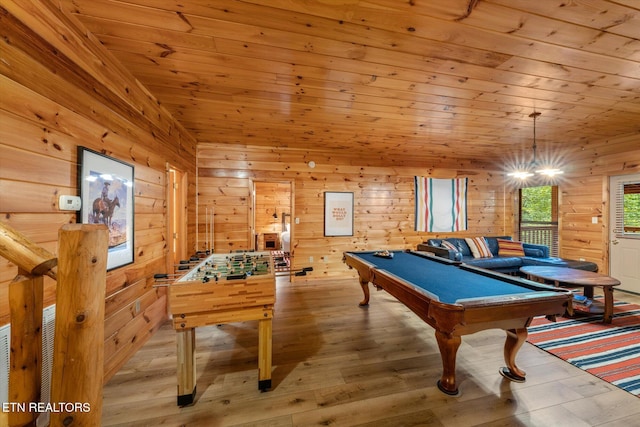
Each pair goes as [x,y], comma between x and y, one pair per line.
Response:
[479,247]
[448,245]
[510,248]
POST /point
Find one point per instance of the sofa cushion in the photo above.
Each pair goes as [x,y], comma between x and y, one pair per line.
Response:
[478,247]
[510,248]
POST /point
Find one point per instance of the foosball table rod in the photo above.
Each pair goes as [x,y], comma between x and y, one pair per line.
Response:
[296,272]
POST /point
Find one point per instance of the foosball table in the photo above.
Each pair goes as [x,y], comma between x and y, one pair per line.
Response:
[222,288]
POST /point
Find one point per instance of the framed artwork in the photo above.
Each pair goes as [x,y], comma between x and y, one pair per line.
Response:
[106,190]
[338,214]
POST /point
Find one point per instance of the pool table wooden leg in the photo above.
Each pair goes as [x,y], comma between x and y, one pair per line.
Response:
[448,345]
[365,289]
[515,339]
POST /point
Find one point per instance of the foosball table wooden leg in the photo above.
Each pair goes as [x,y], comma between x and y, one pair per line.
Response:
[264,353]
[186,346]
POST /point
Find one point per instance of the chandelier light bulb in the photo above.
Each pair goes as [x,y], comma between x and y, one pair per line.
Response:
[549,172]
[520,174]
[524,173]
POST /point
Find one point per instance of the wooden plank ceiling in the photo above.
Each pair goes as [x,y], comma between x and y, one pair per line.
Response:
[412,80]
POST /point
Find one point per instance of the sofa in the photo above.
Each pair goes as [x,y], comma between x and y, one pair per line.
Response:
[504,254]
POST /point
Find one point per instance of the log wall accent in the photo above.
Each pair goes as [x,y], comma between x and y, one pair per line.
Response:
[61,89]
[383,198]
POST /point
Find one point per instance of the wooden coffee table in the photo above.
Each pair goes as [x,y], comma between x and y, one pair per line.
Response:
[567,277]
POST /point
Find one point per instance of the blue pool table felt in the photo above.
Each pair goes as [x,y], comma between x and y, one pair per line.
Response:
[449,283]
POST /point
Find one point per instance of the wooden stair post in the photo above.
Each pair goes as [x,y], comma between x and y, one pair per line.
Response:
[78,355]
[25,305]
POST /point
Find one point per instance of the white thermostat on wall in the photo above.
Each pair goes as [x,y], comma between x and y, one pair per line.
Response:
[69,203]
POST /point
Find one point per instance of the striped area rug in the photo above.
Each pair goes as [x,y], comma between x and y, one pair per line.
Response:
[610,352]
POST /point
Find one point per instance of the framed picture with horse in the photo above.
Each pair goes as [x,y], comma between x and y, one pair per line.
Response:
[106,190]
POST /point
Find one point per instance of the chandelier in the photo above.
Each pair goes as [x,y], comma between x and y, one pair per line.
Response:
[527,170]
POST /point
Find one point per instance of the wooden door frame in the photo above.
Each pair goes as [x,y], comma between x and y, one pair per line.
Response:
[252,225]
[176,213]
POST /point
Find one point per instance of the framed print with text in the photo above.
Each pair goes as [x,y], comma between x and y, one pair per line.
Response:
[338,213]
[106,190]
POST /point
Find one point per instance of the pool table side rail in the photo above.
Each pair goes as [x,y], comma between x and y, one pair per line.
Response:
[477,314]
[432,257]
[526,283]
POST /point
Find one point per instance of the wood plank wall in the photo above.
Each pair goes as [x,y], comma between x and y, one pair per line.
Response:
[61,89]
[383,194]
[584,194]
[384,198]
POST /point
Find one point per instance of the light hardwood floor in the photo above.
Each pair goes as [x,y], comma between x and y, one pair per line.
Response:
[336,364]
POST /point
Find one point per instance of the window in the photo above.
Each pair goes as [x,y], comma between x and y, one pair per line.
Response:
[539,216]
[627,220]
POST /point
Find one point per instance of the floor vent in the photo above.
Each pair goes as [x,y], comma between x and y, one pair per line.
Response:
[48,332]
[5,337]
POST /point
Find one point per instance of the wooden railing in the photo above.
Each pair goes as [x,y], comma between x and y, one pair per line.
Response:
[541,233]
[79,326]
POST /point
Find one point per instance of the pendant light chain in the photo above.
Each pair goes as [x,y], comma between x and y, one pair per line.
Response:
[535,115]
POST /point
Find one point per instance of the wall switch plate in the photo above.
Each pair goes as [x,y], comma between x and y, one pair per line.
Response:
[594,219]
[297,220]
[69,203]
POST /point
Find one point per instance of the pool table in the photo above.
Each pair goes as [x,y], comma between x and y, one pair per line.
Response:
[457,299]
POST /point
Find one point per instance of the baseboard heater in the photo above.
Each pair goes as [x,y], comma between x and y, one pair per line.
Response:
[48,331]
